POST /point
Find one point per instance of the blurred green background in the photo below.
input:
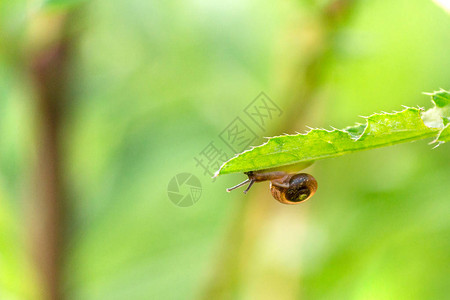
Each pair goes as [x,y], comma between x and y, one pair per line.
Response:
[152,83]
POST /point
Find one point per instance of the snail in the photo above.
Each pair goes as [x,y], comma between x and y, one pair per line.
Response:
[287,188]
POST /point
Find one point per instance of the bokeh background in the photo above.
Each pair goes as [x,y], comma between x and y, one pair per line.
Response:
[103,102]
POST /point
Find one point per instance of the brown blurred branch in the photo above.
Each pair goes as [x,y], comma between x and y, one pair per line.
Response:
[48,72]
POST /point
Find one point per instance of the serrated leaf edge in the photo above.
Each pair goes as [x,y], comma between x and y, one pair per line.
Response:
[357,138]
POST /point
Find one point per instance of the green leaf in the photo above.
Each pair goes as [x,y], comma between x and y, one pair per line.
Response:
[379,130]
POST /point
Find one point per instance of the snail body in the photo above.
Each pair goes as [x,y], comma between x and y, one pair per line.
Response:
[287,188]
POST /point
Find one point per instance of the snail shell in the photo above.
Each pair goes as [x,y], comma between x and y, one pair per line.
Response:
[294,188]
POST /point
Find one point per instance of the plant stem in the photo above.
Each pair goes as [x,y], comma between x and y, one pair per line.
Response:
[49,66]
